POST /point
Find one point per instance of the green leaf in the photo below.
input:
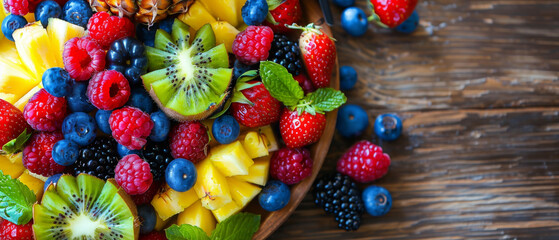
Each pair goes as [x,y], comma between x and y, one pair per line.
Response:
[240,226]
[16,200]
[326,99]
[273,4]
[185,232]
[280,83]
[15,145]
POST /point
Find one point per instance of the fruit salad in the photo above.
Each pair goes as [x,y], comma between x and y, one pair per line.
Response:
[156,119]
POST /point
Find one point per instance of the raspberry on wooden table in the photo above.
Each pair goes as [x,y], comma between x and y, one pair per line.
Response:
[364,162]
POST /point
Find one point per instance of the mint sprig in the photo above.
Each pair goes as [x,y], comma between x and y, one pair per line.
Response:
[16,200]
[326,99]
[241,226]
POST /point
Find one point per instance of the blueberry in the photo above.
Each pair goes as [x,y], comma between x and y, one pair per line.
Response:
[377,200]
[52,180]
[167,24]
[77,99]
[139,98]
[128,56]
[410,24]
[80,128]
[123,151]
[65,152]
[77,12]
[348,78]
[239,68]
[57,81]
[47,9]
[274,196]
[352,120]
[147,218]
[161,126]
[146,33]
[354,21]
[11,23]
[102,120]
[344,3]
[254,12]
[388,127]
[180,175]
[226,129]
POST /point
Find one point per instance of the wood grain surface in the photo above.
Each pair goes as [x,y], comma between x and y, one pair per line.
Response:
[477,87]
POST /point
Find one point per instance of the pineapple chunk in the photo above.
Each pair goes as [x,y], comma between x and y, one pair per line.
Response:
[258,172]
[239,5]
[15,80]
[171,202]
[226,211]
[20,104]
[224,33]
[269,138]
[241,191]
[59,32]
[197,16]
[36,185]
[231,159]
[255,145]
[160,223]
[223,10]
[197,215]
[34,47]
[211,186]
[11,165]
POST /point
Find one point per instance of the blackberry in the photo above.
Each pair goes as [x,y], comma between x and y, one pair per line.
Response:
[98,158]
[158,155]
[338,195]
[286,53]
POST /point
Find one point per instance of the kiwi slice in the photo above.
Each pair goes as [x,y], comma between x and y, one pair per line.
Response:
[189,80]
[85,207]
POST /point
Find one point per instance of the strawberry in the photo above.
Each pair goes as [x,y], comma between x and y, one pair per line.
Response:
[260,110]
[391,13]
[9,231]
[13,124]
[319,55]
[287,12]
[298,130]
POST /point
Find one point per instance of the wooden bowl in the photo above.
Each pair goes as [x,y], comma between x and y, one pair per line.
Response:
[272,220]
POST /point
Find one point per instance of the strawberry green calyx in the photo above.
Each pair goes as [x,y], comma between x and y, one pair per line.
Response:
[238,96]
[16,144]
[375,17]
[309,28]
[272,4]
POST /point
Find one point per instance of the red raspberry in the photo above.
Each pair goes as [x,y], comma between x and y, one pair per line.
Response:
[82,58]
[364,162]
[108,90]
[190,140]
[11,231]
[130,127]
[133,174]
[105,29]
[45,112]
[37,154]
[253,44]
[291,165]
[17,7]
[154,236]
[146,197]
[266,109]
[305,83]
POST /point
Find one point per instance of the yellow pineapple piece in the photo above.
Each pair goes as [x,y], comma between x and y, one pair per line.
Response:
[239,5]
[36,185]
[60,32]
[225,10]
[226,211]
[12,166]
[15,80]
[197,215]
[211,186]
[258,172]
[224,33]
[231,159]
[197,16]
[160,224]
[242,192]
[34,47]
[170,202]
[25,98]
[270,138]
[255,145]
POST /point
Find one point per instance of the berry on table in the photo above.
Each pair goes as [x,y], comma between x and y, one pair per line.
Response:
[354,21]
[47,9]
[82,58]
[388,127]
[140,99]
[189,140]
[130,127]
[77,99]
[410,24]
[123,151]
[51,180]
[146,213]
[378,200]
[181,175]
[57,81]
[11,231]
[274,196]
[12,23]
[158,155]
[226,129]
[254,12]
[264,109]
[17,7]
[352,120]
[105,29]
[348,78]
[291,165]
[161,126]
[77,12]
[344,3]
[98,159]
[65,152]
[133,174]
[305,83]
[45,112]
[79,128]
[128,56]
[364,162]
[37,154]
[108,90]
[391,13]
[253,44]
[102,120]
[286,53]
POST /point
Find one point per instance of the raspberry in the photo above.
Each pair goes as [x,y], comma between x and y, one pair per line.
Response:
[82,58]
[37,154]
[364,162]
[45,112]
[190,140]
[291,165]
[17,7]
[11,231]
[154,236]
[133,174]
[105,29]
[253,44]
[145,198]
[130,127]
[108,90]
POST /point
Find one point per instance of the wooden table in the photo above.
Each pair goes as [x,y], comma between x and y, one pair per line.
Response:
[478,89]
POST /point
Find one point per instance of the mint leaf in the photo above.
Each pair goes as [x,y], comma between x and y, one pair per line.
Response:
[280,83]
[16,200]
[326,99]
[185,232]
[241,226]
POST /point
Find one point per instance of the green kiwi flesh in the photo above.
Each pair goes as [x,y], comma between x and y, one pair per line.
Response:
[189,80]
[85,207]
